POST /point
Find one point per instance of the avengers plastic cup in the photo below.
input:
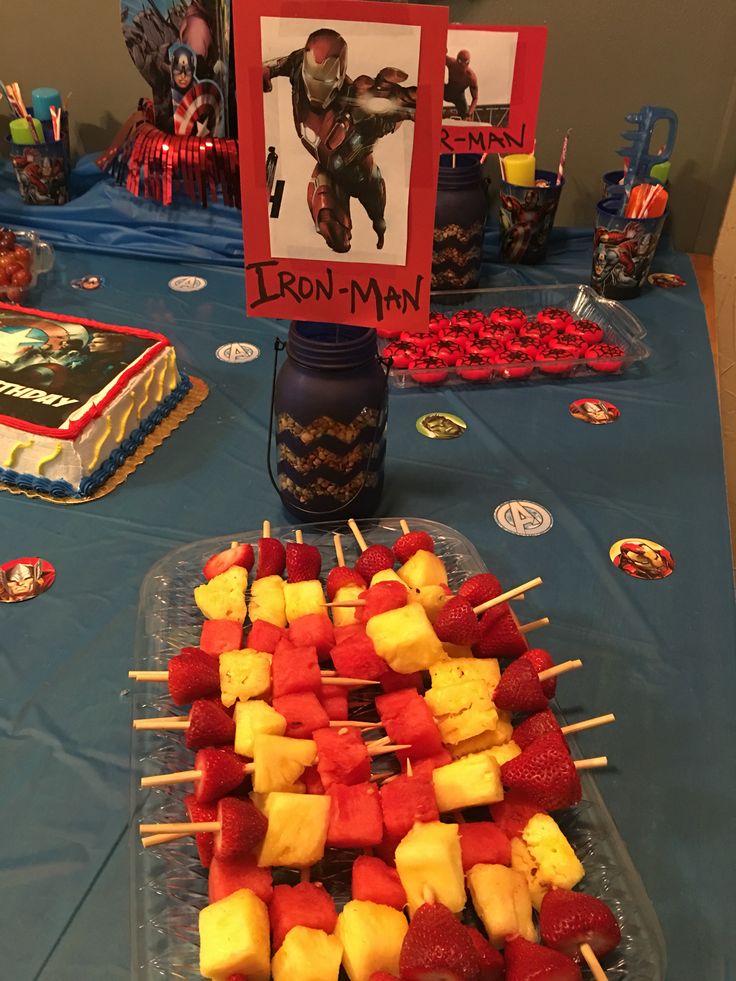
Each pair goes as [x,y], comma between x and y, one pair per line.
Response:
[526,217]
[42,171]
[613,183]
[623,249]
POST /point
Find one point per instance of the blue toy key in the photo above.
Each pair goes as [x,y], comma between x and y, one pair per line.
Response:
[641,160]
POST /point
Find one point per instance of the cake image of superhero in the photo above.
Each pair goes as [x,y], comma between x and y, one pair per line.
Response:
[338,121]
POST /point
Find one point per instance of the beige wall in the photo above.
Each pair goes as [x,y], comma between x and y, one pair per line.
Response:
[603,60]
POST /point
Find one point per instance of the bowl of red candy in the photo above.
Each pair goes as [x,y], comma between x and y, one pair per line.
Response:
[23,258]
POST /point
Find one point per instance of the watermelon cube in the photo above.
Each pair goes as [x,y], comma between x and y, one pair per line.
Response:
[296,670]
[408,719]
[312,782]
[306,904]
[356,658]
[381,598]
[512,813]
[423,768]
[226,877]
[393,681]
[264,636]
[342,757]
[386,851]
[284,645]
[405,801]
[205,840]
[377,882]
[303,714]
[221,635]
[347,630]
[482,842]
[313,630]
[355,816]
[334,701]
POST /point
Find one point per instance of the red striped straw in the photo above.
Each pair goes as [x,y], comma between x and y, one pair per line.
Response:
[563,157]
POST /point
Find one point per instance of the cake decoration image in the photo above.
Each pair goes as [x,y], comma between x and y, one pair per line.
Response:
[24,579]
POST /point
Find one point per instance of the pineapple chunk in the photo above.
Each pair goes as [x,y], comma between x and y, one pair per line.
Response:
[501,899]
[297,829]
[386,575]
[371,936]
[307,955]
[280,761]
[244,674]
[343,616]
[234,937]
[472,780]
[267,600]
[223,597]
[465,669]
[302,598]
[423,569]
[432,598]
[463,710]
[545,857]
[456,650]
[428,859]
[404,638]
[502,754]
[254,718]
[486,740]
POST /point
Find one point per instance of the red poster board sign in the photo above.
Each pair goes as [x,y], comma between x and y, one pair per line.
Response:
[493,80]
[339,121]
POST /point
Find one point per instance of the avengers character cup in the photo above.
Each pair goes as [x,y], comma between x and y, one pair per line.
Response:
[526,216]
[623,249]
[42,171]
[459,222]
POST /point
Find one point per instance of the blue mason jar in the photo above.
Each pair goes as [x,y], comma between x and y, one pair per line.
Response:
[459,222]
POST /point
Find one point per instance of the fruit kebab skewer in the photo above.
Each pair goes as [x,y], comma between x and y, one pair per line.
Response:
[579,925]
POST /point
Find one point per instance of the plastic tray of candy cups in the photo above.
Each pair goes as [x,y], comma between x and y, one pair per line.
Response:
[168,884]
[25,257]
[517,334]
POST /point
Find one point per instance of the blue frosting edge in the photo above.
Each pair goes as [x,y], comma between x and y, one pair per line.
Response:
[88,485]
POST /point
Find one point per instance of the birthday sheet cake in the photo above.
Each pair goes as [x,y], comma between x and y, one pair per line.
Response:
[77,398]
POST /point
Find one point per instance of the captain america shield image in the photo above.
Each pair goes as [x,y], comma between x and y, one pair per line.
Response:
[200,111]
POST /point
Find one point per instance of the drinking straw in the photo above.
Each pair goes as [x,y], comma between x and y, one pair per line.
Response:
[563,156]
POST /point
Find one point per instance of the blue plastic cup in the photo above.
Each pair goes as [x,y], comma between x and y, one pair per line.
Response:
[526,217]
[623,249]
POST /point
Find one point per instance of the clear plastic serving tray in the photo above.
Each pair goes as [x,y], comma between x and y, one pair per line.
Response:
[619,325]
[168,886]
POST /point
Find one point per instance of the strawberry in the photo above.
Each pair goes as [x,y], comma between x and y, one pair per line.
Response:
[568,919]
[542,660]
[499,634]
[343,575]
[536,725]
[204,839]
[437,948]
[456,623]
[544,774]
[480,588]
[193,676]
[271,558]
[209,725]
[519,689]
[410,543]
[222,561]
[242,827]
[221,772]
[302,562]
[526,961]
[491,962]
[513,813]
[375,559]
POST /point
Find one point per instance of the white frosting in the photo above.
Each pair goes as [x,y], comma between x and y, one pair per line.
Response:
[42,456]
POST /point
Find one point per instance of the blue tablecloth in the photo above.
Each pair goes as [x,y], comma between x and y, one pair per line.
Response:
[658,654]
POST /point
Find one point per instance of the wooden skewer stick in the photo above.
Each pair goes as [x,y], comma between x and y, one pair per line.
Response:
[337,542]
[304,874]
[509,594]
[179,827]
[560,669]
[149,675]
[404,526]
[591,764]
[593,963]
[266,529]
[327,678]
[299,535]
[181,723]
[161,839]
[599,720]
[526,628]
[357,534]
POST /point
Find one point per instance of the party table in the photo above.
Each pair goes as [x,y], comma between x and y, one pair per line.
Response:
[657,653]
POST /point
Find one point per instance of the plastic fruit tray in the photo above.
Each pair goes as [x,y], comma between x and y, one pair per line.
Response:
[168,886]
[619,325]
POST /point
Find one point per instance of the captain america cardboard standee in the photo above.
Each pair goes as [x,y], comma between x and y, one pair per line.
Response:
[342,106]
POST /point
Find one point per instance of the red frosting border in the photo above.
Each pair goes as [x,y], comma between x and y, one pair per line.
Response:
[161,343]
